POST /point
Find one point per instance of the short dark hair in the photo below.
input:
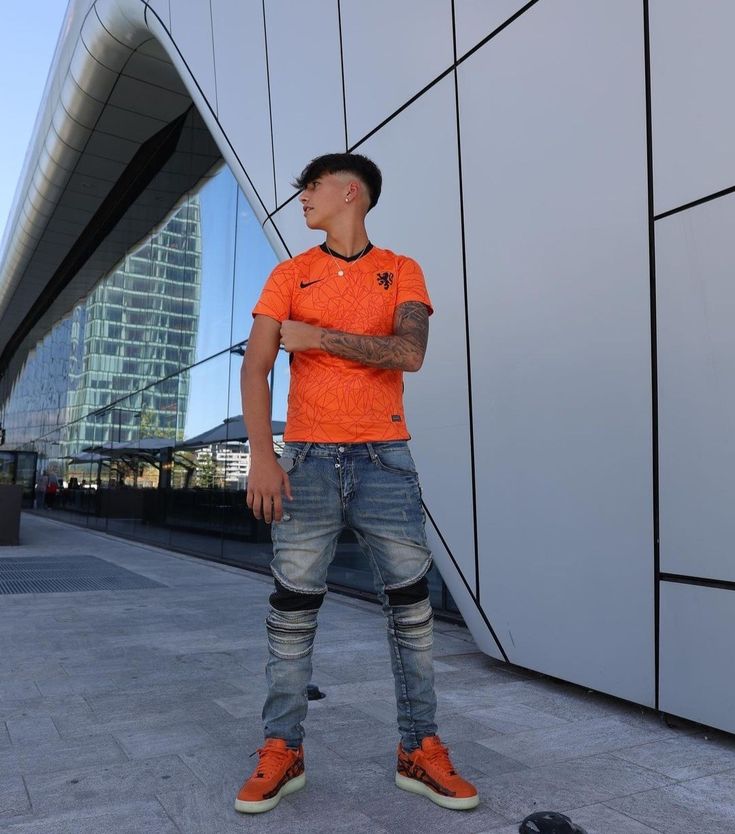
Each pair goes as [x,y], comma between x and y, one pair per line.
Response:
[350,163]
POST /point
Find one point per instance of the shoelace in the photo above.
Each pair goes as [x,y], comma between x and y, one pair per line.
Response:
[271,760]
[438,755]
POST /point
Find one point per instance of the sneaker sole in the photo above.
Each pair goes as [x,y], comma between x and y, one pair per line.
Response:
[263,805]
[453,802]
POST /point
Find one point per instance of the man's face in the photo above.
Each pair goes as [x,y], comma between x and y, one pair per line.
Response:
[323,199]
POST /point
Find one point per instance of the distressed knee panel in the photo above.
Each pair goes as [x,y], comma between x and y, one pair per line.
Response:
[413,625]
[284,599]
[291,633]
[410,594]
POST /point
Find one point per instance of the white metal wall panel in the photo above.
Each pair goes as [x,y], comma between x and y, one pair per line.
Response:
[463,594]
[290,223]
[695,261]
[554,162]
[163,9]
[476,19]
[692,63]
[697,646]
[125,19]
[382,72]
[305,83]
[242,86]
[191,31]
[135,95]
[135,127]
[151,65]
[436,399]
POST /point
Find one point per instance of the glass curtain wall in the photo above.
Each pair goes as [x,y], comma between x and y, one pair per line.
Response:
[132,401]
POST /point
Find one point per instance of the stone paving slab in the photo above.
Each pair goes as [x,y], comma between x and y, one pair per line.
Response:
[11,690]
[45,758]
[13,796]
[566,785]
[133,817]
[145,742]
[23,671]
[31,730]
[684,758]
[572,740]
[184,699]
[67,705]
[85,787]
[129,711]
[214,765]
[703,805]
[4,737]
[96,681]
[512,717]
[78,726]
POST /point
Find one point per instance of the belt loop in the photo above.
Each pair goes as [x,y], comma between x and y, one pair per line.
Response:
[304,452]
[371,452]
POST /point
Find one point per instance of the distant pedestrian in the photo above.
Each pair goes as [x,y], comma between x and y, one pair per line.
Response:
[51,489]
[41,487]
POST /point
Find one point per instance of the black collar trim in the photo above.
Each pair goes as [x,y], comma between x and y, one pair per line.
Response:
[326,251]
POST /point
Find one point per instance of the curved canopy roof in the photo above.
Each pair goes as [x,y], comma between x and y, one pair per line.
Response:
[116,83]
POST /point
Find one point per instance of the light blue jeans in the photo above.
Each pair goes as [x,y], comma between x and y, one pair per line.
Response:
[373,489]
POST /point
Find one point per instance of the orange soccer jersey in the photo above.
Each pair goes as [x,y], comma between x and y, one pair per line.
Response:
[335,400]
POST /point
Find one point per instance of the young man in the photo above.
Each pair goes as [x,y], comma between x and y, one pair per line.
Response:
[353,317]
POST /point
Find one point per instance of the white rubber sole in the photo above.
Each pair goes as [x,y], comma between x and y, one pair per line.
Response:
[291,786]
[452,802]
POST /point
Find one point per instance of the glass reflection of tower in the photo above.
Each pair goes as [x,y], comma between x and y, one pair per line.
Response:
[138,326]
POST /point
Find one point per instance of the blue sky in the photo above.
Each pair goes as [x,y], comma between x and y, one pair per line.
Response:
[31,29]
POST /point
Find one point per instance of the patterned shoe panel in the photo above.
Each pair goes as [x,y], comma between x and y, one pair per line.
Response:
[429,771]
[280,771]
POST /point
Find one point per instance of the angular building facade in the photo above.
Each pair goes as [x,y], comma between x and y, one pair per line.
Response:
[562,169]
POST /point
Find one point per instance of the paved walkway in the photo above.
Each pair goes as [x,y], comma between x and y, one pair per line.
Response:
[136,710]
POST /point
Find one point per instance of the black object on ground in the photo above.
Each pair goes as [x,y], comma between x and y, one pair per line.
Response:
[313,693]
[549,822]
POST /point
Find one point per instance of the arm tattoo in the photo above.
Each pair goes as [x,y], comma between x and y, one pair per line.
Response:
[403,350]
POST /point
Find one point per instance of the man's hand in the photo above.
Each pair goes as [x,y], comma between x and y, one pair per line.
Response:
[266,482]
[297,335]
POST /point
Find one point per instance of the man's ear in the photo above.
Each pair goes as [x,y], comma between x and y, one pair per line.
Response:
[354,189]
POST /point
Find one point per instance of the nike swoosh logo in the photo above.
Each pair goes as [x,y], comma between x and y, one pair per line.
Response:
[305,284]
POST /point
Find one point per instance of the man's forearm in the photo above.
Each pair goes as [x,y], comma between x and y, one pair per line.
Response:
[394,352]
[401,350]
[256,410]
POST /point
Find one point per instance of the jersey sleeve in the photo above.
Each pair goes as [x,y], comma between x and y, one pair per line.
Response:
[275,297]
[411,284]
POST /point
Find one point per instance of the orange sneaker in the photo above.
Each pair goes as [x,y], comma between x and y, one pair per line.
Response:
[280,771]
[429,771]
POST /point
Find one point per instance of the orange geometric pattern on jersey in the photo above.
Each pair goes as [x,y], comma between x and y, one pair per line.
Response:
[331,399]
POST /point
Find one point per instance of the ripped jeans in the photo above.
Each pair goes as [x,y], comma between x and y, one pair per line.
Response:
[373,489]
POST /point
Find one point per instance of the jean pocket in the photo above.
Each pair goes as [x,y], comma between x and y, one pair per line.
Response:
[288,464]
[291,457]
[395,459]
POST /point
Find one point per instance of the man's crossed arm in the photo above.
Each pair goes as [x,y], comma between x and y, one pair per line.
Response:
[403,350]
